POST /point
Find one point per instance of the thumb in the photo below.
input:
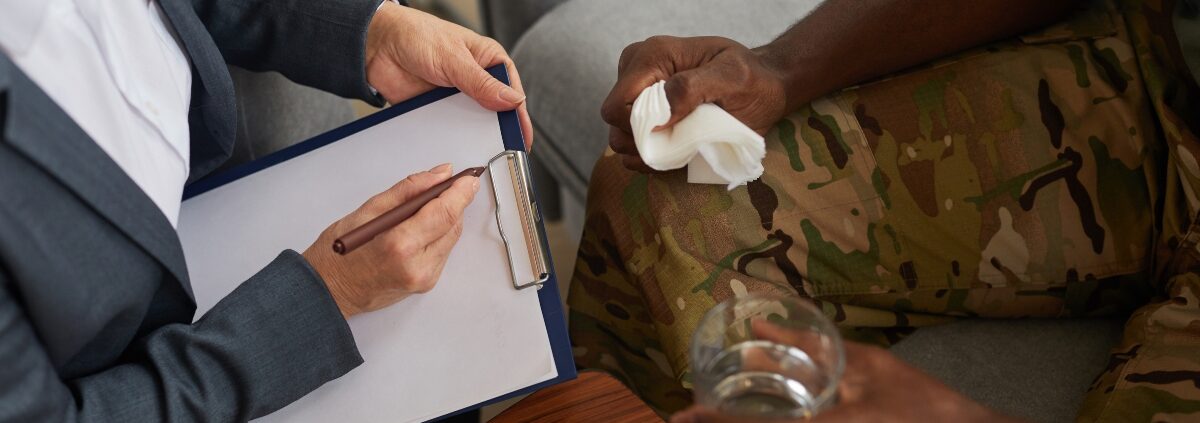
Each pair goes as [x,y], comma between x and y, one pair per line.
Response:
[689,89]
[476,83]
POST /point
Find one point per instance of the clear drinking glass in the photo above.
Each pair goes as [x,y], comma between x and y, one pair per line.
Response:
[766,356]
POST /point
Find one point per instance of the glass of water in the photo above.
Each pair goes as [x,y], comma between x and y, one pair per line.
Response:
[766,356]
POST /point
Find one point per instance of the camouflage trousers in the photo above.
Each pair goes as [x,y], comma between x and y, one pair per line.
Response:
[1017,180]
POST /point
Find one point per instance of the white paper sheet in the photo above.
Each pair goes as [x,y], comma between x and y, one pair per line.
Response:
[471,339]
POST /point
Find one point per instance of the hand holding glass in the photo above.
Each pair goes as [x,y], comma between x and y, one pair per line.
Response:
[766,356]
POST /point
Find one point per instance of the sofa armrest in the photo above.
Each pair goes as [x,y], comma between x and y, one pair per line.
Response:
[507,20]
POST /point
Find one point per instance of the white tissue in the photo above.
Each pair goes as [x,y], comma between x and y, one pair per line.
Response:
[716,147]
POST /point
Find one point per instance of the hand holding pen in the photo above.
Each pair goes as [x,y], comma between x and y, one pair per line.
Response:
[408,250]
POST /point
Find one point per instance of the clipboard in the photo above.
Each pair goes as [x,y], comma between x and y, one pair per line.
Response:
[511,163]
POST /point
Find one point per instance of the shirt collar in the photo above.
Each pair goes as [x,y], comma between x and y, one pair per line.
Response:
[19,24]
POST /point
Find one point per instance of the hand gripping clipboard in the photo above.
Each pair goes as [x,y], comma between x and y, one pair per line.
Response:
[525,262]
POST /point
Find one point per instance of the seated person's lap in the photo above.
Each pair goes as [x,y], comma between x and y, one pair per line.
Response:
[969,187]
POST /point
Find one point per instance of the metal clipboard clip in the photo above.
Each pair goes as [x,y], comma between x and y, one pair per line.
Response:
[517,164]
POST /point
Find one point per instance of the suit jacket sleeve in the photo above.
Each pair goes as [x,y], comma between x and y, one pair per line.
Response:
[318,43]
[275,338]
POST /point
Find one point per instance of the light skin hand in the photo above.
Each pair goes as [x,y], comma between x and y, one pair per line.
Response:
[876,386]
[405,260]
[410,52]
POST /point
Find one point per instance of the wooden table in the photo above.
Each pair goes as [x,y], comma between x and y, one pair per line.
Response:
[593,397]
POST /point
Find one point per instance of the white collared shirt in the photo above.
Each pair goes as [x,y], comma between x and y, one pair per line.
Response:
[117,69]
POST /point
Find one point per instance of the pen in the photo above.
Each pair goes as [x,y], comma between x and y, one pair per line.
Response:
[368,231]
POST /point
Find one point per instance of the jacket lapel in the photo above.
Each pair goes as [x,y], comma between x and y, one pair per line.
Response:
[39,129]
[213,118]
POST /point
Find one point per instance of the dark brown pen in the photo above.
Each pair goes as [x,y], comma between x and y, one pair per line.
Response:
[368,231]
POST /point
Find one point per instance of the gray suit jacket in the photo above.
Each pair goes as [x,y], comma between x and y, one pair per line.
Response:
[95,302]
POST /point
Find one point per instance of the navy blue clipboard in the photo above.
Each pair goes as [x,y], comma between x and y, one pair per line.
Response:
[510,130]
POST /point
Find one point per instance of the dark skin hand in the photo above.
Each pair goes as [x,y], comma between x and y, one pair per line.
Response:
[876,387]
[842,43]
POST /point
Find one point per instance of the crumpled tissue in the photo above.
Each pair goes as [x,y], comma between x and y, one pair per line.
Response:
[716,147]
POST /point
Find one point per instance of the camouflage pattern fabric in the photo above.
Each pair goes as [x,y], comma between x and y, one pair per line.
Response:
[1154,374]
[1045,176]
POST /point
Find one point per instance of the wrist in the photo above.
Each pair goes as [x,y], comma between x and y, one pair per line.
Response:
[804,79]
[340,297]
[334,283]
[379,31]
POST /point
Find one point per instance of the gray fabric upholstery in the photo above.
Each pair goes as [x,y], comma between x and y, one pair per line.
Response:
[507,20]
[568,63]
[1033,369]
[274,113]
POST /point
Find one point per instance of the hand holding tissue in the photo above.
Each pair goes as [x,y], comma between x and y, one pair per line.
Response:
[716,147]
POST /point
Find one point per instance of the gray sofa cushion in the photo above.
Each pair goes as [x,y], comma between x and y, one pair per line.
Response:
[568,62]
[507,20]
[1033,369]
[274,113]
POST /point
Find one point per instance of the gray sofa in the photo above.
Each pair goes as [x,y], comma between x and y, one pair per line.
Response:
[274,113]
[567,51]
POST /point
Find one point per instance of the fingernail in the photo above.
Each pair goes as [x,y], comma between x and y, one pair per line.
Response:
[512,96]
[442,168]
